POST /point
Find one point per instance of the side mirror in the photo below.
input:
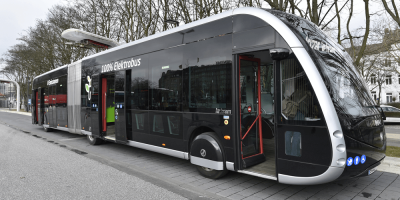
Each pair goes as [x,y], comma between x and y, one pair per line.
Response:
[279,53]
[382,113]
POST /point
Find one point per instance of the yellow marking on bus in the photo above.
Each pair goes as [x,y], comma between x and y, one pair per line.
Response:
[163,145]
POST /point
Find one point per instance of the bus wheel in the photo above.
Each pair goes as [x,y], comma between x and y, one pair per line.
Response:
[211,173]
[94,140]
[46,129]
[207,154]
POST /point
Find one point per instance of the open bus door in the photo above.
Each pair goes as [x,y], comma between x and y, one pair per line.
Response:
[40,105]
[94,106]
[251,143]
[34,106]
[113,106]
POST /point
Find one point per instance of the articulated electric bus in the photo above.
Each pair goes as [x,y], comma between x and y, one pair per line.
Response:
[255,91]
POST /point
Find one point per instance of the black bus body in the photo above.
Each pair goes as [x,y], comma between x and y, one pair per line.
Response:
[255,91]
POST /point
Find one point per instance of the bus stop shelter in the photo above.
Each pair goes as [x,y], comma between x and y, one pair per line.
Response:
[18,90]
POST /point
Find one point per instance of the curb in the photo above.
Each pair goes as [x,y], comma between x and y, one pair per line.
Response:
[15,112]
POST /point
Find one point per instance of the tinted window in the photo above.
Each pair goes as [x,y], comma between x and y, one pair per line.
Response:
[207,75]
[165,70]
[140,87]
[165,124]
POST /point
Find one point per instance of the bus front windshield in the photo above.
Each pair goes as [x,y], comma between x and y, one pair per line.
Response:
[346,86]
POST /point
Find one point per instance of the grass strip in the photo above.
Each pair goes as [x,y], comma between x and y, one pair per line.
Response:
[393,151]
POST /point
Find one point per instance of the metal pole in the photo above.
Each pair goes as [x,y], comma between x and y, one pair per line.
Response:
[27,94]
[10,97]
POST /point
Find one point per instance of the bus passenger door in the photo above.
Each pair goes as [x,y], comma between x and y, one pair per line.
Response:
[120,116]
[108,106]
[40,105]
[94,107]
[34,105]
[52,106]
[250,112]
[53,121]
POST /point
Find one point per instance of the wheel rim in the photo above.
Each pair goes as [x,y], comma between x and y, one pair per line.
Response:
[207,169]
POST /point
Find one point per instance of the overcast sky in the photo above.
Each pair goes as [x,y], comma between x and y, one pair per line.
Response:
[16,16]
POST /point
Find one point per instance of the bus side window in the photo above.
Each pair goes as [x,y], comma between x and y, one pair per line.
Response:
[207,77]
[166,79]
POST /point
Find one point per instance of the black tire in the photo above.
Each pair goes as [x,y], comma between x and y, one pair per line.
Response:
[94,140]
[47,129]
[212,173]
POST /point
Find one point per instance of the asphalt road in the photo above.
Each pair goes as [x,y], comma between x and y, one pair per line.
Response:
[32,168]
[393,134]
[392,128]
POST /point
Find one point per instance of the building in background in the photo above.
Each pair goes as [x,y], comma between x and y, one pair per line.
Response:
[382,67]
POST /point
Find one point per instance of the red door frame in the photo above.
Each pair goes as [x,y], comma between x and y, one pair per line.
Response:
[258,109]
[103,103]
[37,106]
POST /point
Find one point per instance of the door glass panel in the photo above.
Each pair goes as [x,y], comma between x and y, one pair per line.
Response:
[249,107]
[110,106]
[140,121]
[158,126]
[173,124]
[293,143]
[267,91]
[299,101]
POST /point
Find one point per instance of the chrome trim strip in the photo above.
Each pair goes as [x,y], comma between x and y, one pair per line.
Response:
[46,125]
[62,128]
[186,156]
[217,165]
[86,132]
[257,174]
[329,175]
[110,138]
[230,166]
[170,152]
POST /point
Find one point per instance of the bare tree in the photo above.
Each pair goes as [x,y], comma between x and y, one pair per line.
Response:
[392,10]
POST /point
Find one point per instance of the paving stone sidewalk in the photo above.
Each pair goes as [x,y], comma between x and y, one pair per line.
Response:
[383,184]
